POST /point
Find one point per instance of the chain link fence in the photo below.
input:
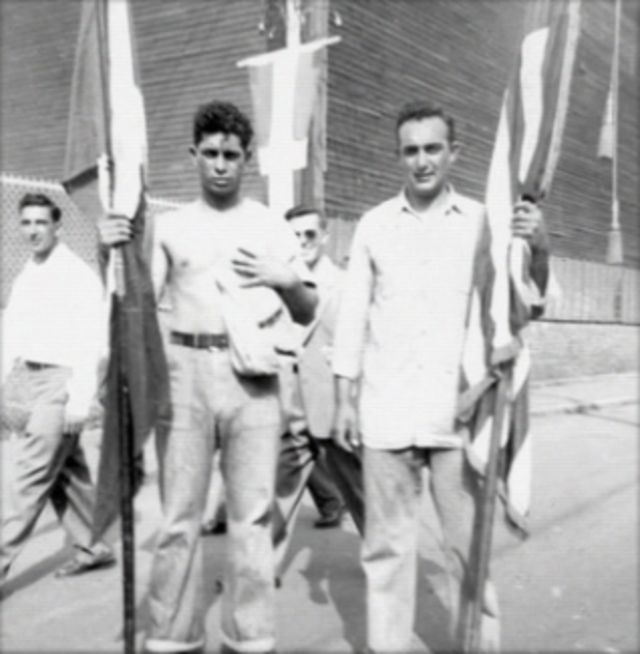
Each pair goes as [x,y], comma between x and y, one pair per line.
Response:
[591,292]
[78,232]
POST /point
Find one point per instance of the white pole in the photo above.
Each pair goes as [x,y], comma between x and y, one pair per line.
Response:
[614,249]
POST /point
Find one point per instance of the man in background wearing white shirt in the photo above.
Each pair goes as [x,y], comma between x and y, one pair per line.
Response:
[51,343]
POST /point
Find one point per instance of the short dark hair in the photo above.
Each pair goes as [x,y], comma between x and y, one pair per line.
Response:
[420,109]
[225,117]
[305,210]
[40,200]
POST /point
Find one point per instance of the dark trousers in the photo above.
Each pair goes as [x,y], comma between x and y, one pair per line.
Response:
[298,455]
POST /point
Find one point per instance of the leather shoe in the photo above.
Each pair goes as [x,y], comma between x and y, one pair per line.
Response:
[328,520]
[213,528]
[85,562]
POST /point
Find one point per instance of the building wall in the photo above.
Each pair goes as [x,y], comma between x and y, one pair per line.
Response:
[460,54]
[187,55]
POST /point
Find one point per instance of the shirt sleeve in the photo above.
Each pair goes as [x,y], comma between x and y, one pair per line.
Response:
[353,313]
[8,337]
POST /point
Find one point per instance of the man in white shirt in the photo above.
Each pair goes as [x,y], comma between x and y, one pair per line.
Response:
[52,331]
[230,267]
[400,333]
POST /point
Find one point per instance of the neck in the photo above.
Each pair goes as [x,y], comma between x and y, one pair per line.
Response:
[41,257]
[421,203]
[220,203]
[314,264]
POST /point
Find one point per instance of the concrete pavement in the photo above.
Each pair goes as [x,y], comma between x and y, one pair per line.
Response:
[570,587]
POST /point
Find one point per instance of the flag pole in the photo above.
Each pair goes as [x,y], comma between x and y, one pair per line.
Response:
[614,244]
[125,442]
[473,594]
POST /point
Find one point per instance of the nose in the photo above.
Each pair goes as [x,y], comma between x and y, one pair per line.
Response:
[422,160]
[220,164]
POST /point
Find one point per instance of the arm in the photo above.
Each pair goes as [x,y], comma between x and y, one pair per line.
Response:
[349,340]
[528,223]
[344,430]
[265,270]
[115,230]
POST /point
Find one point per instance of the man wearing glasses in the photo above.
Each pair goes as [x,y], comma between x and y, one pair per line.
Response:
[308,457]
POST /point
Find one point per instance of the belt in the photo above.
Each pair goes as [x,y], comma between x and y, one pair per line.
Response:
[36,365]
[200,341]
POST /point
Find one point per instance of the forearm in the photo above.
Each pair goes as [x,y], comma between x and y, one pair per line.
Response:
[301,300]
[344,390]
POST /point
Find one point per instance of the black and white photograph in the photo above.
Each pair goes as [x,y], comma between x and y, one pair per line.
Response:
[319,326]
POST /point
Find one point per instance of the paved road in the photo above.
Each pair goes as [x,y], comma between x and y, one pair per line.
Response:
[572,587]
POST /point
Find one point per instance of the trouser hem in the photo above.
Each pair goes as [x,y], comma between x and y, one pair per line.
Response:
[250,646]
[161,645]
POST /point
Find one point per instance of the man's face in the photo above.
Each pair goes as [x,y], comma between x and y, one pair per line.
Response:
[220,160]
[312,238]
[39,229]
[426,155]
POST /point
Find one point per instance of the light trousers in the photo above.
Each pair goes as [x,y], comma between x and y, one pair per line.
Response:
[47,463]
[212,406]
[393,485]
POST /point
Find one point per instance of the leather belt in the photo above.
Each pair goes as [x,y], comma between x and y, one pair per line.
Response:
[200,341]
[36,365]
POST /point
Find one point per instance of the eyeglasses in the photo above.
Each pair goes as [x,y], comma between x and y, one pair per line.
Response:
[309,234]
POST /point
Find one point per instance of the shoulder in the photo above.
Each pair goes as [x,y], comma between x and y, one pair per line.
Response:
[469,206]
[165,221]
[380,214]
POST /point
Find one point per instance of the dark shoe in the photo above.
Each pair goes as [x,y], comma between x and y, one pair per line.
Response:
[213,528]
[85,562]
[328,520]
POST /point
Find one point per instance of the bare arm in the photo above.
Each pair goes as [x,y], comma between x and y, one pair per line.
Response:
[262,270]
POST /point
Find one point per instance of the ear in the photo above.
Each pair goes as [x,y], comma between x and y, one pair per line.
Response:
[455,147]
[248,153]
[193,151]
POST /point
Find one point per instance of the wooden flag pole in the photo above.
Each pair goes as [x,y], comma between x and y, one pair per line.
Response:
[477,574]
[125,446]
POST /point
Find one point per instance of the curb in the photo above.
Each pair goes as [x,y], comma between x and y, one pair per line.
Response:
[584,407]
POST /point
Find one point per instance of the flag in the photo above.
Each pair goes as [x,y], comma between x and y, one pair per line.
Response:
[605,142]
[508,285]
[284,85]
[106,159]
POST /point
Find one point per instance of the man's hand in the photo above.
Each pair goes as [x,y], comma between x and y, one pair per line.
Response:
[73,422]
[344,431]
[528,223]
[260,270]
[114,229]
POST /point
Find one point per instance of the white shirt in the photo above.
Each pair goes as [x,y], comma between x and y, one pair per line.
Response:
[55,314]
[402,319]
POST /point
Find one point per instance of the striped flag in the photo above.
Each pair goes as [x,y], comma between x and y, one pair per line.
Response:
[284,85]
[524,158]
[106,159]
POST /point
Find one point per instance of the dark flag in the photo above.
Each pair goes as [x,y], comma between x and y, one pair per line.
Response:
[105,166]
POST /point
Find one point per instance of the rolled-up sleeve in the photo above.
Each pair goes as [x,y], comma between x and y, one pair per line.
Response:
[353,314]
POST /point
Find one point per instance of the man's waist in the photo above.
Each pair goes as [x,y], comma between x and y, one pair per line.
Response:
[200,341]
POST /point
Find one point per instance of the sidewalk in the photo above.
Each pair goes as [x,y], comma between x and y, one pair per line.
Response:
[320,605]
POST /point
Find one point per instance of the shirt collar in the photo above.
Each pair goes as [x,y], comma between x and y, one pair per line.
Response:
[451,203]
